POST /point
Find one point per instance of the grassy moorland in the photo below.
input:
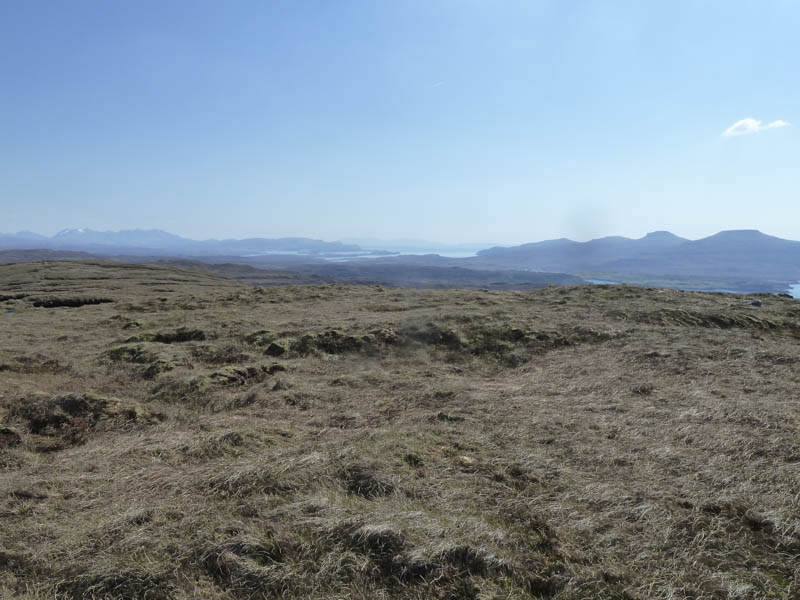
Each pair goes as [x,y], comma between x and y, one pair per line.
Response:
[169,433]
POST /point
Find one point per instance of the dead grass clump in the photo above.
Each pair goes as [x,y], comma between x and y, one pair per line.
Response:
[329,342]
[259,479]
[348,381]
[264,547]
[301,400]
[11,561]
[131,354]
[175,390]
[388,559]
[9,437]
[679,316]
[214,446]
[225,355]
[182,334]
[643,389]
[447,417]
[133,583]
[262,337]
[70,418]
[335,342]
[505,343]
[495,340]
[529,530]
[237,376]
[248,571]
[432,334]
[448,562]
[365,481]
[152,364]
[382,544]
[414,460]
[35,364]
[516,476]
[156,368]
[386,335]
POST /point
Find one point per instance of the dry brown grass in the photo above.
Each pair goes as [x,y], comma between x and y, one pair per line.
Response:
[580,442]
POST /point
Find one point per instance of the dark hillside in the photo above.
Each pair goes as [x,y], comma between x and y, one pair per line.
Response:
[566,255]
[744,254]
[738,260]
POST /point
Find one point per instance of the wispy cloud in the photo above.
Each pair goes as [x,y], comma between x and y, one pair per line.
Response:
[749,125]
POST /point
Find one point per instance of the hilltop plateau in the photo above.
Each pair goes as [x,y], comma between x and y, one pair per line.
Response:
[171,433]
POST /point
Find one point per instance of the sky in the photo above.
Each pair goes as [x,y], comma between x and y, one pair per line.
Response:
[502,121]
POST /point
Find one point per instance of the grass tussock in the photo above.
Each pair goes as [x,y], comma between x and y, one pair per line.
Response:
[56,422]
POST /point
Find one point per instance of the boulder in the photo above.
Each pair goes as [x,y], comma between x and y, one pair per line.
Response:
[277,348]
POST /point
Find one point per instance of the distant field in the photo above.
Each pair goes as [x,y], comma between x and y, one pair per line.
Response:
[170,433]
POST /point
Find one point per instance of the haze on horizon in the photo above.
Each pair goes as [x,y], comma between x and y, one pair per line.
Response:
[454,121]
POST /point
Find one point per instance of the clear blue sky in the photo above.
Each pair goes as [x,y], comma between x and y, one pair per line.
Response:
[455,120]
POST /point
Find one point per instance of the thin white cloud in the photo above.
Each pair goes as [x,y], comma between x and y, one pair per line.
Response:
[749,125]
[778,123]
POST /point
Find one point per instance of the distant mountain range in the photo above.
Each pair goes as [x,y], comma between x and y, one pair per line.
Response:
[156,241]
[739,260]
[564,254]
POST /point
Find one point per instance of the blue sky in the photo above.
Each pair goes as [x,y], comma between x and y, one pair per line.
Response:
[455,120]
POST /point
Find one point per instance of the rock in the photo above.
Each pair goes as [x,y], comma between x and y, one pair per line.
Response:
[755,303]
[466,461]
[277,348]
[9,437]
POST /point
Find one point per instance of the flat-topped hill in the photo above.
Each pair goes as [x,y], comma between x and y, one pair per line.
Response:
[178,434]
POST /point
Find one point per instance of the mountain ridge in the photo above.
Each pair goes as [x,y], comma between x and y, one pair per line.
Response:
[137,241]
[744,259]
[739,259]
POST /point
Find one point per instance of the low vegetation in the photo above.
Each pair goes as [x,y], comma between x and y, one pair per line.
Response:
[195,437]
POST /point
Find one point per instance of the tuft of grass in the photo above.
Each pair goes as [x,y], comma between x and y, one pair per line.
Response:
[182,334]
